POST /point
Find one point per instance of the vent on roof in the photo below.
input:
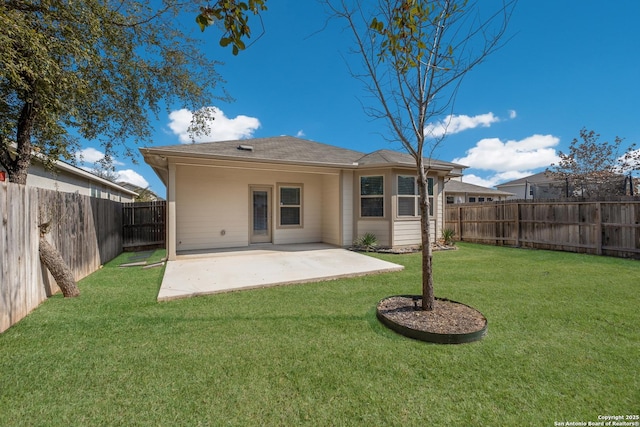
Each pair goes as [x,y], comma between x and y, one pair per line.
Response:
[245,147]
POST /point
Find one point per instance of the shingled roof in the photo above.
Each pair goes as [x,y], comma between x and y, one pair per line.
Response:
[396,158]
[454,186]
[286,150]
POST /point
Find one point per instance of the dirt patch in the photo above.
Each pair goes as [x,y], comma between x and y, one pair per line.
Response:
[447,317]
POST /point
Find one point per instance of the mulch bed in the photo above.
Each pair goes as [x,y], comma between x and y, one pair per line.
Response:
[407,249]
[447,317]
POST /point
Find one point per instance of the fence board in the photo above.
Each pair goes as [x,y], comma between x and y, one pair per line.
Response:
[603,227]
[144,224]
[86,231]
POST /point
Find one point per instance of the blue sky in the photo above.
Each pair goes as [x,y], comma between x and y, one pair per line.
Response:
[569,64]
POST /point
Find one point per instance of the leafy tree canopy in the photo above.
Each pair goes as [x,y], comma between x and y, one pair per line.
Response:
[96,69]
[596,168]
[234,17]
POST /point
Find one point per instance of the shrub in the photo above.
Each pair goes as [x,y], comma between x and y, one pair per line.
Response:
[447,236]
[368,242]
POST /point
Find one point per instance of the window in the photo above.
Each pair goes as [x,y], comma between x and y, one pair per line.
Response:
[290,209]
[472,199]
[95,192]
[409,196]
[450,200]
[371,196]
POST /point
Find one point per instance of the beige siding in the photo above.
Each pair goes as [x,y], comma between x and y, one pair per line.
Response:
[380,228]
[438,209]
[331,210]
[407,233]
[212,206]
[347,208]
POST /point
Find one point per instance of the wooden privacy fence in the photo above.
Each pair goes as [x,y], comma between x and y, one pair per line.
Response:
[596,227]
[85,230]
[143,224]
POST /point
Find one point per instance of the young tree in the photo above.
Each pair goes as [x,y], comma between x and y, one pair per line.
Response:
[97,69]
[595,169]
[414,55]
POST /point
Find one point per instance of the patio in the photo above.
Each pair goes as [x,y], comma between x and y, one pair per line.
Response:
[197,273]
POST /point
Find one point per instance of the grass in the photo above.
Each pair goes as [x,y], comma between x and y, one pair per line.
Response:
[563,345]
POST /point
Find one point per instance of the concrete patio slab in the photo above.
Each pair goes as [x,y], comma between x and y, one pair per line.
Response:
[203,273]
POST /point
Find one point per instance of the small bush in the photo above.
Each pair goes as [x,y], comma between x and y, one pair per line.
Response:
[367,242]
[447,236]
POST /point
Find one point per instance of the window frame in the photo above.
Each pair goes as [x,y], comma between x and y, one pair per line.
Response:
[363,197]
[416,197]
[300,205]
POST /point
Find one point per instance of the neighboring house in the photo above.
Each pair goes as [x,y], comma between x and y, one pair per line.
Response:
[537,186]
[66,178]
[142,194]
[543,186]
[457,191]
[288,190]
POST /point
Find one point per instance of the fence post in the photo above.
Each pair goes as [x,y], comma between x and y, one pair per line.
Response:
[598,231]
[517,225]
[460,221]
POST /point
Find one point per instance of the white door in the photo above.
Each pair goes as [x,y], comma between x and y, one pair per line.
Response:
[260,227]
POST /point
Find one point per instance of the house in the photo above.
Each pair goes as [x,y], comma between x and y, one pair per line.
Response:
[66,178]
[457,191]
[545,186]
[540,186]
[284,190]
[142,194]
[537,186]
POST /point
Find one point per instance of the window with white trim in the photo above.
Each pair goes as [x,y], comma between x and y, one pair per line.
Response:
[290,205]
[372,196]
[95,191]
[409,196]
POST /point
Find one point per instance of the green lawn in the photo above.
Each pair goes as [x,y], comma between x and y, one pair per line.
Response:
[563,345]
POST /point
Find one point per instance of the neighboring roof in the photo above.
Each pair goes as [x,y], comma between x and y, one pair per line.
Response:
[138,190]
[537,178]
[454,186]
[285,150]
[64,166]
[74,170]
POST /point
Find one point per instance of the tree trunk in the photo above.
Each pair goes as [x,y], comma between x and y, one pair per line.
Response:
[427,271]
[52,259]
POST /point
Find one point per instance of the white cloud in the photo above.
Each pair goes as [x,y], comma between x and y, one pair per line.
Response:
[221,127]
[529,153]
[494,179]
[300,134]
[456,124]
[132,177]
[633,162]
[92,155]
[477,180]
[512,114]
[89,155]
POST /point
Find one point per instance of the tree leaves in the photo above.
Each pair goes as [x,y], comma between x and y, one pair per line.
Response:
[233,16]
[204,21]
[95,70]
[596,168]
